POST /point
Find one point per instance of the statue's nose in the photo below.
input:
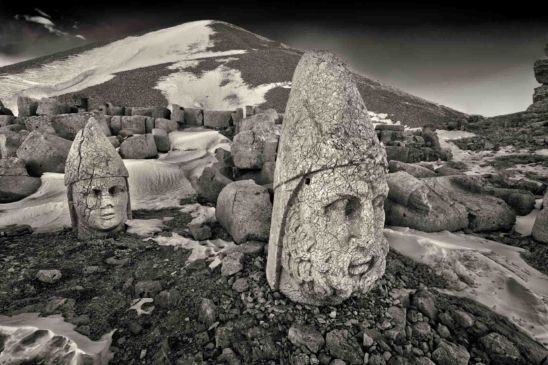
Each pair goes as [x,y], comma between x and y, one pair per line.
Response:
[106,200]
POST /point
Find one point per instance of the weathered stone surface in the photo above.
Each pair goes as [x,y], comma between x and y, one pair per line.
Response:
[540,94]
[136,123]
[217,119]
[151,111]
[67,125]
[97,188]
[26,106]
[161,139]
[178,114]
[194,117]
[49,276]
[232,263]
[6,120]
[445,203]
[199,232]
[10,141]
[500,349]
[244,210]
[540,228]
[50,106]
[412,169]
[44,152]
[207,312]
[252,148]
[306,336]
[237,117]
[541,71]
[522,201]
[262,121]
[138,147]
[40,123]
[329,189]
[210,183]
[114,141]
[166,124]
[15,182]
[448,353]
[342,345]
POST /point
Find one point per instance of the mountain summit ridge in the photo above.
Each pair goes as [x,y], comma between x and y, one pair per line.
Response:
[208,63]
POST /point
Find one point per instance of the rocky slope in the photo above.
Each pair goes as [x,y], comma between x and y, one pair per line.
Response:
[135,71]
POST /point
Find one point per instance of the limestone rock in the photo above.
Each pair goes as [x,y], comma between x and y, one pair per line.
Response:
[15,183]
[50,106]
[217,119]
[67,125]
[244,210]
[342,345]
[445,203]
[44,152]
[329,189]
[139,147]
[300,335]
[412,169]
[194,117]
[541,71]
[161,139]
[210,183]
[540,228]
[166,124]
[49,276]
[26,106]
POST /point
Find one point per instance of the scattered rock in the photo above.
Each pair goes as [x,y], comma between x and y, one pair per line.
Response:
[49,276]
[147,288]
[240,285]
[139,147]
[207,312]
[43,152]
[210,183]
[424,301]
[342,345]
[217,119]
[15,183]
[166,124]
[500,349]
[448,353]
[540,227]
[161,139]
[309,337]
[50,106]
[244,210]
[200,232]
[232,263]
[26,106]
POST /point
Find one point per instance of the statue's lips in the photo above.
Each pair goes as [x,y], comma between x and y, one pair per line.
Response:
[361,265]
[108,215]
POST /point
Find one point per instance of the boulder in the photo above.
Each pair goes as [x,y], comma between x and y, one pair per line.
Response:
[44,152]
[114,141]
[217,119]
[237,117]
[39,123]
[541,71]
[342,345]
[26,106]
[151,111]
[540,227]
[10,141]
[522,201]
[244,210]
[262,121]
[306,336]
[136,123]
[445,203]
[6,120]
[67,125]
[114,110]
[161,139]
[139,147]
[194,117]
[448,353]
[412,169]
[166,124]
[252,148]
[50,106]
[178,114]
[540,94]
[210,183]
[15,182]
[149,124]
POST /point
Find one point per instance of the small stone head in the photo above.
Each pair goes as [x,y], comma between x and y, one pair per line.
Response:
[97,187]
[101,204]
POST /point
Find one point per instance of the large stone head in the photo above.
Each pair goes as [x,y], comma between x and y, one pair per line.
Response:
[326,240]
[97,187]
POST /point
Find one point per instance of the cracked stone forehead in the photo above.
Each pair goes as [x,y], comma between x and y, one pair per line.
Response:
[326,124]
[92,156]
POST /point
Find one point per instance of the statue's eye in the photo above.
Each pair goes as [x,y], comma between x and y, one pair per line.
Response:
[116,190]
[96,192]
[352,207]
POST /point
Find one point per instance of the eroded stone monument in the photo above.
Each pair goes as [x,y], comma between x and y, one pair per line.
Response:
[97,185]
[326,239]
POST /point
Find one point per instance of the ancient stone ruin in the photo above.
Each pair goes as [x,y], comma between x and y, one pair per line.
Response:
[97,186]
[326,238]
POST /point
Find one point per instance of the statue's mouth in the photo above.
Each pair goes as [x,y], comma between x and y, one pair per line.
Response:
[108,215]
[361,265]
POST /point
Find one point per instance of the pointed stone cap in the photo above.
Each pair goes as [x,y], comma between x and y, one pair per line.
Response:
[326,124]
[92,155]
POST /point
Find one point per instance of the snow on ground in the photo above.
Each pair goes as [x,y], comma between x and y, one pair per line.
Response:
[220,89]
[153,184]
[22,328]
[489,272]
[187,41]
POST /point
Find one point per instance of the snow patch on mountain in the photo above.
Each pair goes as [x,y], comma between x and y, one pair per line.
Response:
[187,41]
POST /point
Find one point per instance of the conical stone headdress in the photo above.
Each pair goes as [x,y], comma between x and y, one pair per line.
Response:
[92,156]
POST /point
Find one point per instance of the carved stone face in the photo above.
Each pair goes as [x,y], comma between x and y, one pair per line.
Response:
[100,205]
[334,243]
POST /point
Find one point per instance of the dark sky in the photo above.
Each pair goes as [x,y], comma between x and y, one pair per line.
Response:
[474,56]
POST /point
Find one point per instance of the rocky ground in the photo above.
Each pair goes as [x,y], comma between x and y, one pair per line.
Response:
[230,315]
